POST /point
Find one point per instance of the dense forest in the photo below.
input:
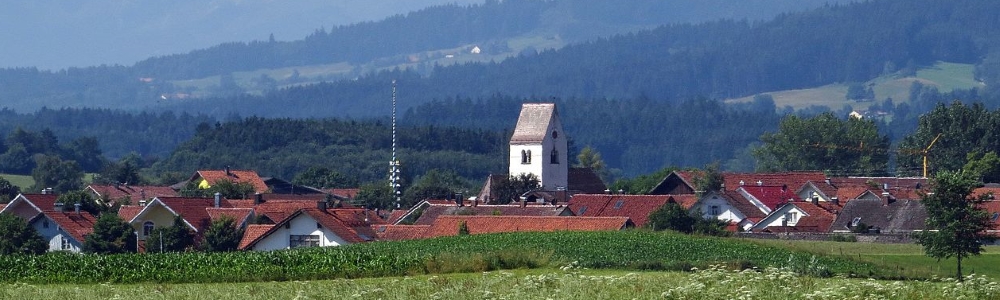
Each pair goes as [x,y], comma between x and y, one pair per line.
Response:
[359,149]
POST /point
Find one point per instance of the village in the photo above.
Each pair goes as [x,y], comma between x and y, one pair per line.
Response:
[281,215]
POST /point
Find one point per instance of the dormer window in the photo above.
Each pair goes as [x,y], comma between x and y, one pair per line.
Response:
[554,157]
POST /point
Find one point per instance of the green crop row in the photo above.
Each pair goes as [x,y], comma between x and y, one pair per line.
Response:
[636,249]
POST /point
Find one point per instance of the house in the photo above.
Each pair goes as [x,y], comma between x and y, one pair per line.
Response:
[677,183]
[449,225]
[729,206]
[791,180]
[796,216]
[112,194]
[902,216]
[63,229]
[272,208]
[205,179]
[197,214]
[425,212]
[767,198]
[635,207]
[313,227]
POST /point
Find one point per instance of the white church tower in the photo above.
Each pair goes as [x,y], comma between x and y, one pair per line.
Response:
[538,146]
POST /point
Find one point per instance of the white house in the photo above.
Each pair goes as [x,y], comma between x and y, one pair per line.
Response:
[312,227]
[729,206]
[538,146]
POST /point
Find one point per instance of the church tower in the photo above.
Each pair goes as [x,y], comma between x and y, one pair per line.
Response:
[538,146]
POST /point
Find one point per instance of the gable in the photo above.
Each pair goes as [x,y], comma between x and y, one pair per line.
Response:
[673,184]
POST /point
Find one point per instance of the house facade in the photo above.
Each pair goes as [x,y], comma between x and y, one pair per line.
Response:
[63,229]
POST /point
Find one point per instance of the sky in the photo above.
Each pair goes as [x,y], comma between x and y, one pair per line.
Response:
[53,35]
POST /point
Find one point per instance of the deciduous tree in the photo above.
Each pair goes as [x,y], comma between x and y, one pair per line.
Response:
[111,235]
[956,224]
[174,238]
[16,237]
[8,190]
[222,235]
[824,142]
[60,175]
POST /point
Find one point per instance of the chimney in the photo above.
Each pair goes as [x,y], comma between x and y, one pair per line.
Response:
[524,201]
[142,194]
[885,186]
[742,183]
[76,208]
[142,202]
[835,200]
[218,199]
[815,199]
[475,202]
[228,173]
[560,195]
[607,191]
[784,188]
[58,206]
[621,191]
[461,200]
[258,198]
[321,205]
[759,183]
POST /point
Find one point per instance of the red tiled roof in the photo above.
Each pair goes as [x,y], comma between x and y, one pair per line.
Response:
[236,176]
[828,190]
[848,193]
[134,192]
[395,215]
[193,210]
[237,214]
[127,212]
[329,219]
[793,180]
[76,224]
[818,217]
[993,208]
[399,232]
[253,233]
[448,225]
[42,201]
[741,203]
[635,207]
[771,196]
[685,201]
[436,209]
[278,210]
[993,191]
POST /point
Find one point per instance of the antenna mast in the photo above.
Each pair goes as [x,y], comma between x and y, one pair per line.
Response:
[394,163]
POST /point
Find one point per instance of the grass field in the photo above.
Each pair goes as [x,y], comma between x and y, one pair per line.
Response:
[943,75]
[563,283]
[25,181]
[907,259]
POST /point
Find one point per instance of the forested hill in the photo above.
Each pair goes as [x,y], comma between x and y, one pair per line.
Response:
[358,149]
[501,28]
[850,43]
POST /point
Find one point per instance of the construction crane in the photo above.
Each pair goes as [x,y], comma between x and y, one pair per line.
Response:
[924,153]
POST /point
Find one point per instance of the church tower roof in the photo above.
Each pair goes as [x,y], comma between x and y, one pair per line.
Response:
[533,123]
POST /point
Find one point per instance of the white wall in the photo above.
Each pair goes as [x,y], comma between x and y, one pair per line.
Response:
[726,211]
[300,225]
[550,175]
[53,235]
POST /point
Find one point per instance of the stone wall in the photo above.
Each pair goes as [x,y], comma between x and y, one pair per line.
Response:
[889,238]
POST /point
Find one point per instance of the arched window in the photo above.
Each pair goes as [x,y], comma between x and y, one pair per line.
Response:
[524,157]
[554,157]
[529,156]
[147,228]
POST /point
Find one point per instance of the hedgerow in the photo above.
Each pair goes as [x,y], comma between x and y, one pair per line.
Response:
[636,249]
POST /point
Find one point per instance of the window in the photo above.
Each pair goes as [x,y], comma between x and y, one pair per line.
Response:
[147,228]
[792,217]
[555,134]
[554,157]
[65,245]
[618,205]
[45,223]
[582,210]
[295,241]
[855,221]
[715,210]
[525,157]
[995,217]
[318,225]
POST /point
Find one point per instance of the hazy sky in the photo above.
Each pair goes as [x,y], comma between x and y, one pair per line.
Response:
[57,34]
